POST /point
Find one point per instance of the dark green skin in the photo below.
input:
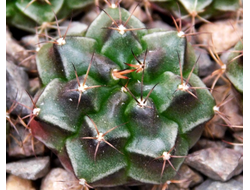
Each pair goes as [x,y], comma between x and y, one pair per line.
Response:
[170,120]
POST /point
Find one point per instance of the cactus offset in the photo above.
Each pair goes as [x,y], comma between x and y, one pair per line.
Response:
[113,134]
[234,70]
[194,11]
[27,14]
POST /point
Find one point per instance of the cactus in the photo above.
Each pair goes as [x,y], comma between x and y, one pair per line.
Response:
[122,104]
[234,71]
[194,11]
[27,14]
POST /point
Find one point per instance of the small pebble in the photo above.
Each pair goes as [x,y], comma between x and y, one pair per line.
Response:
[17,183]
[75,28]
[89,17]
[214,128]
[238,149]
[18,53]
[216,185]
[217,163]
[192,177]
[239,178]
[138,12]
[206,65]
[160,24]
[232,108]
[14,49]
[32,169]
[15,149]
[17,82]
[224,34]
[60,179]
[205,143]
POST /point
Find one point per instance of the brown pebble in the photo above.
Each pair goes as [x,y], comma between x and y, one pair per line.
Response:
[59,178]
[18,183]
[224,34]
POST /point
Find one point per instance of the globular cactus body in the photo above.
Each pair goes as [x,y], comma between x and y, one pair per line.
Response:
[121,131]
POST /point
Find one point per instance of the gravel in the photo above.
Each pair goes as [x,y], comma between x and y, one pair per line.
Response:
[32,169]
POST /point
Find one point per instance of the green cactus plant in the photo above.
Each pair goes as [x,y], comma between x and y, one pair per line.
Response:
[28,14]
[194,11]
[234,71]
[109,130]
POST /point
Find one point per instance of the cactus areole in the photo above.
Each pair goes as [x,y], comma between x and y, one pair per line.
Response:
[111,108]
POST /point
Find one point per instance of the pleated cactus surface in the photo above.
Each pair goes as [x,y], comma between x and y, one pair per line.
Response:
[122,104]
